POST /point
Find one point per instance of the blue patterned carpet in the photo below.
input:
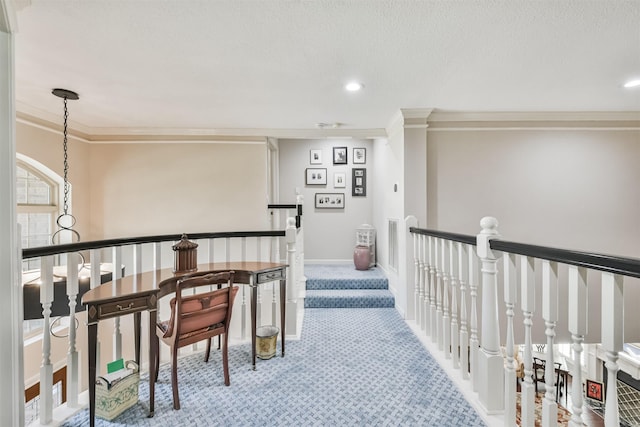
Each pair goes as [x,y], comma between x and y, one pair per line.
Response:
[351,367]
[342,286]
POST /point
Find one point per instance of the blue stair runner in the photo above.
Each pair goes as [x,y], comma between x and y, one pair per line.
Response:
[342,286]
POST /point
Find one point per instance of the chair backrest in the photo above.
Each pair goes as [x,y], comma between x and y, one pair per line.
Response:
[539,366]
[199,312]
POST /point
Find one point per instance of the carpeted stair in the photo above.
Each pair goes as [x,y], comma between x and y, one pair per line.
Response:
[342,286]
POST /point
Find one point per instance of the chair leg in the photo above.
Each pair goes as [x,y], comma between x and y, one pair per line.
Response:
[225,360]
[207,351]
[174,378]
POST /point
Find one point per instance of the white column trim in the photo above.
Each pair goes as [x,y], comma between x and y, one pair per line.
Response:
[11,355]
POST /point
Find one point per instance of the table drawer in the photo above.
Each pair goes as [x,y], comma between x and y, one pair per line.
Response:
[122,307]
[270,276]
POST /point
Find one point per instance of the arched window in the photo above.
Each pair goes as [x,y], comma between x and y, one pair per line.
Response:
[38,191]
[38,207]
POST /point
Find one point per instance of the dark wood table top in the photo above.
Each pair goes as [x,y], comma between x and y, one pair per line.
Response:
[163,281]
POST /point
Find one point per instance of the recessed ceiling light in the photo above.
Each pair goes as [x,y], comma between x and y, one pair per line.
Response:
[632,83]
[353,86]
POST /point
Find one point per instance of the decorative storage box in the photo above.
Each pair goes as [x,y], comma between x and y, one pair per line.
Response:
[185,255]
[366,237]
[113,398]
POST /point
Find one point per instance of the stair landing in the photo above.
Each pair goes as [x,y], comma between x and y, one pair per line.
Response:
[342,286]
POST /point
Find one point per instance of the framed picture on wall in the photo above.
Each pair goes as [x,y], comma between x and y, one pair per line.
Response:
[315,157]
[594,390]
[359,156]
[359,182]
[329,201]
[316,176]
[339,180]
[339,155]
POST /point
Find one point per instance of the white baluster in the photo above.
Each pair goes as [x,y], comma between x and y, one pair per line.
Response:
[46,370]
[275,242]
[227,248]
[455,337]
[527,289]
[464,332]
[418,291]
[211,250]
[433,287]
[416,278]
[578,327]
[490,362]
[117,274]
[137,258]
[73,366]
[550,316]
[474,343]
[422,280]
[157,256]
[510,297]
[292,298]
[446,315]
[612,340]
[426,312]
[438,335]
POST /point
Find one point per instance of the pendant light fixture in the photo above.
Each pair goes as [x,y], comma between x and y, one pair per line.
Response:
[65,220]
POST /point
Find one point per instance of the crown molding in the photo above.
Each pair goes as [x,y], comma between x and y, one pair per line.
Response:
[469,120]
[8,16]
[48,122]
[406,118]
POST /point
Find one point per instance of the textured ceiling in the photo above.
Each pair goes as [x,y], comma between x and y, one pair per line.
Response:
[236,64]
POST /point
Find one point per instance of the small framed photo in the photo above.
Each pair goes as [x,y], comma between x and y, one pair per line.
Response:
[359,180]
[316,176]
[315,157]
[339,155]
[329,201]
[594,390]
[359,156]
[339,180]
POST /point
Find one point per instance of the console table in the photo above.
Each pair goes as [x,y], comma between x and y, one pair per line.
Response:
[140,292]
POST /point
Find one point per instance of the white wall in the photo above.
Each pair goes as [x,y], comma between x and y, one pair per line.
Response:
[329,233]
[389,203]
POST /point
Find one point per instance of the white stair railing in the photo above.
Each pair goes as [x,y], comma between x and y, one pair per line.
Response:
[449,292]
[141,254]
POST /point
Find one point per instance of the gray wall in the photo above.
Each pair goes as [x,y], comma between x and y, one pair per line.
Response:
[566,188]
[329,233]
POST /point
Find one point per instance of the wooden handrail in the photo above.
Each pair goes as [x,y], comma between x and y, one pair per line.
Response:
[59,376]
[613,264]
[99,244]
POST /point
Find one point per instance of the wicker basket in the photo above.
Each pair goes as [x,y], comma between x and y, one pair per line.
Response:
[114,398]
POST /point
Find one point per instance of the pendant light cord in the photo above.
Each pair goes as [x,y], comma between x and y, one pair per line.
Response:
[68,219]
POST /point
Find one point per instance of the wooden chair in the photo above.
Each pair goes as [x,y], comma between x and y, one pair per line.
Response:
[539,367]
[195,318]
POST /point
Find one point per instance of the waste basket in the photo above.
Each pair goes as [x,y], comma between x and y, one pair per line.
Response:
[266,338]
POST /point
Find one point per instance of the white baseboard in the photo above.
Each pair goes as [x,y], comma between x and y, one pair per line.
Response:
[328,261]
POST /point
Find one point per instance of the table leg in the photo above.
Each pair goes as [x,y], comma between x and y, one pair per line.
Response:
[153,349]
[136,327]
[283,311]
[92,336]
[254,303]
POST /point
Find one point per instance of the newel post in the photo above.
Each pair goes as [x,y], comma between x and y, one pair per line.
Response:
[490,362]
[292,296]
